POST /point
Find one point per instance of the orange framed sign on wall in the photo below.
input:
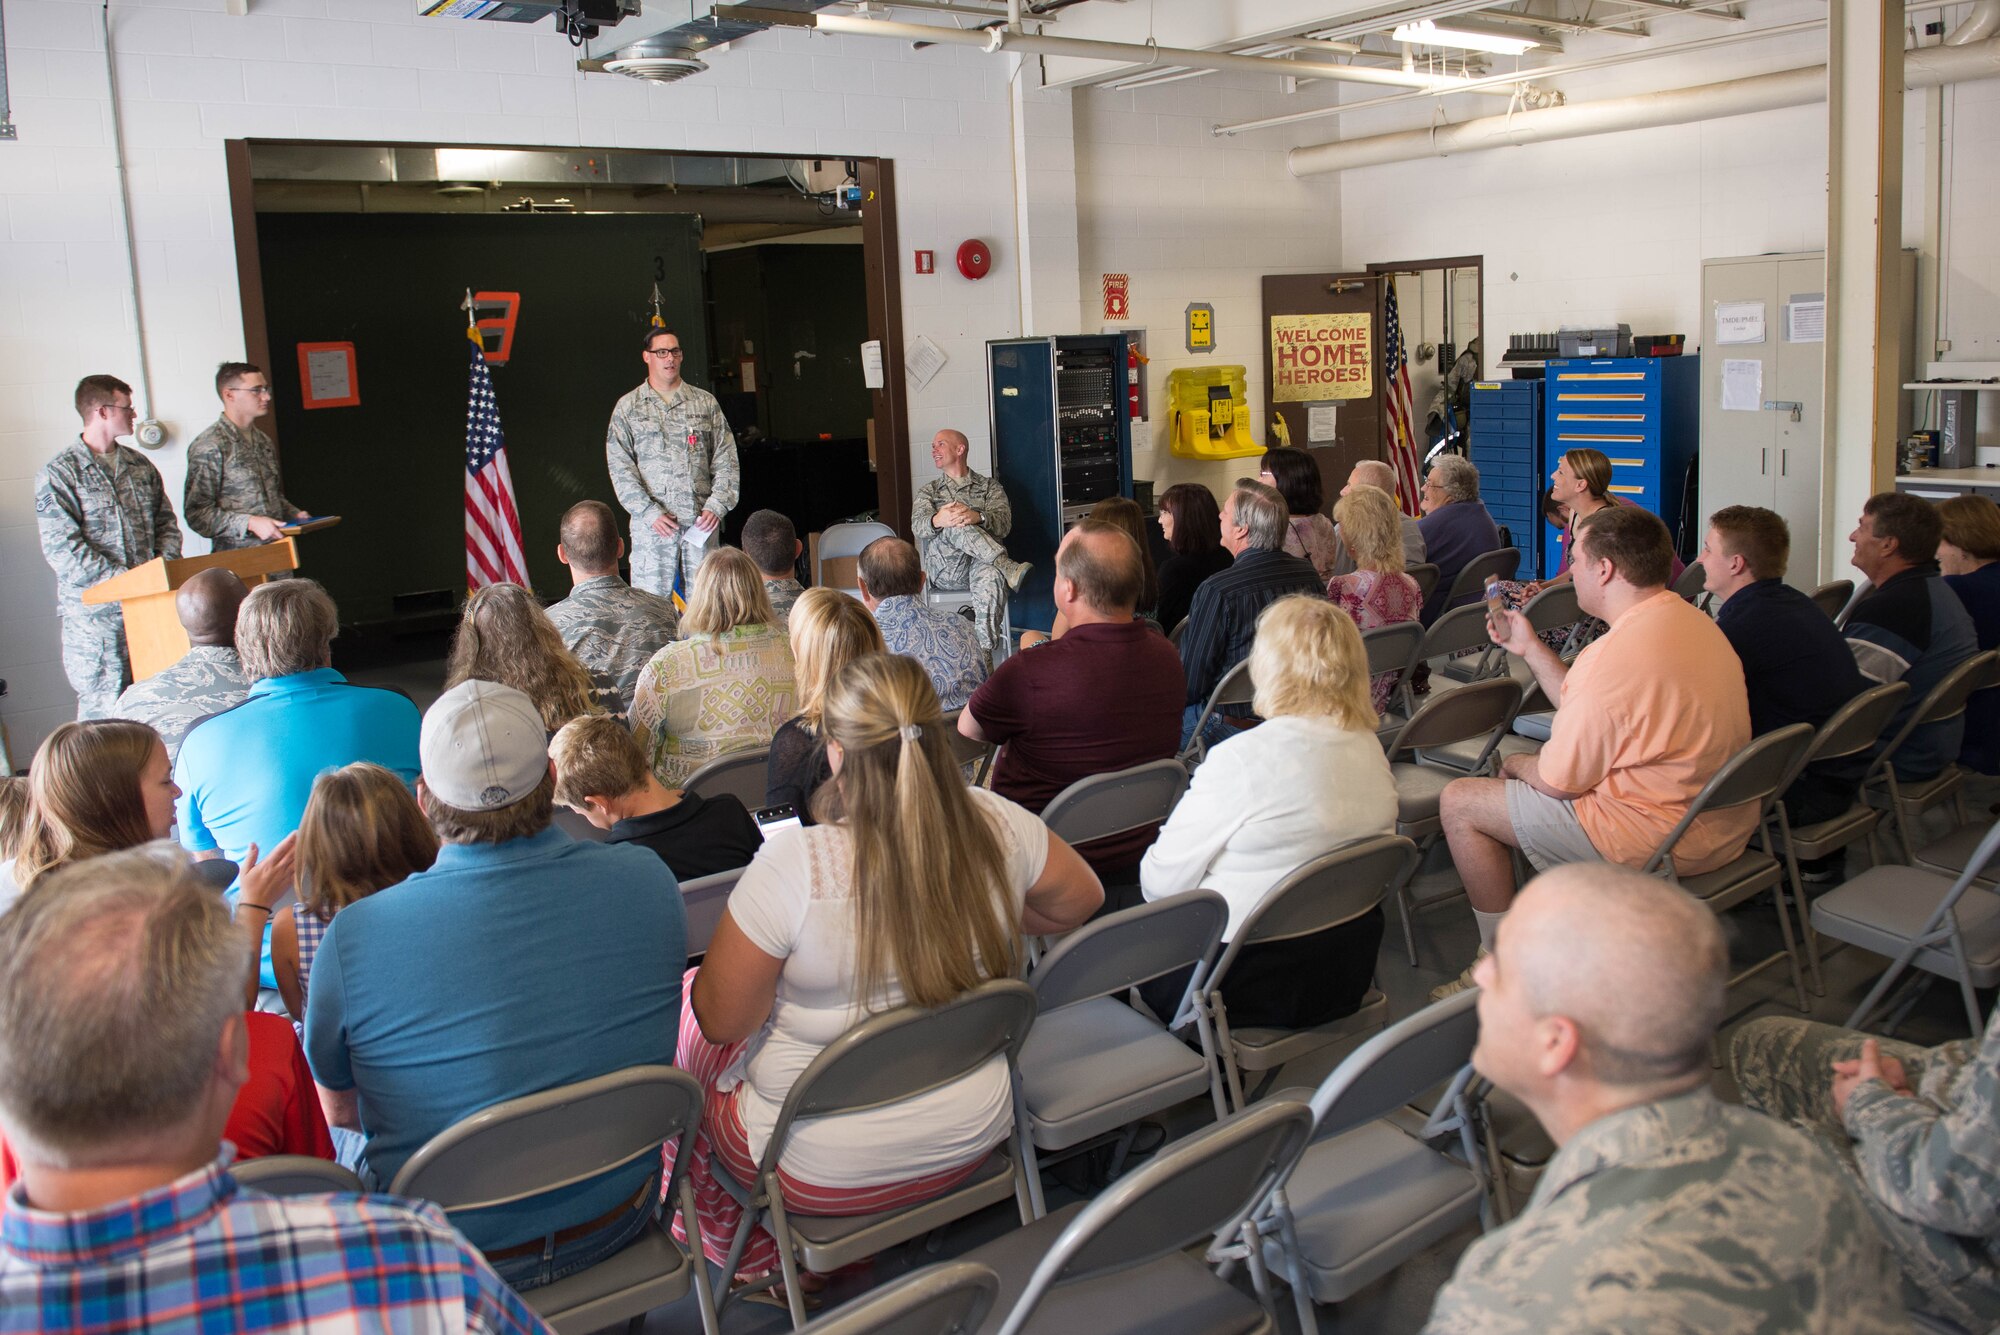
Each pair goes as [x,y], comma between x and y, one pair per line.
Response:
[326,375]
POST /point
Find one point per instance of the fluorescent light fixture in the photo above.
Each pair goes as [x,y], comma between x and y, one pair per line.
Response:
[1455,34]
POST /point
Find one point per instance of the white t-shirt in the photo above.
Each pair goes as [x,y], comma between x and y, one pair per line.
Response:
[794,903]
[1265,801]
[9,891]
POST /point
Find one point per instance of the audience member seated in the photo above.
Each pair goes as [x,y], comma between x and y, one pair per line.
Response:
[601,774]
[1294,475]
[772,543]
[522,960]
[960,519]
[1379,475]
[922,890]
[1909,626]
[1378,593]
[1969,555]
[504,636]
[121,1014]
[1645,717]
[362,832]
[1457,527]
[1664,1209]
[1581,484]
[1106,696]
[1222,621]
[1126,514]
[1309,778]
[1796,668]
[726,686]
[1192,527]
[16,817]
[208,678]
[829,631]
[891,580]
[94,787]
[1915,1130]
[613,629]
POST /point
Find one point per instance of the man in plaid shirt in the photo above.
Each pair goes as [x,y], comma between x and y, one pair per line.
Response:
[121,1050]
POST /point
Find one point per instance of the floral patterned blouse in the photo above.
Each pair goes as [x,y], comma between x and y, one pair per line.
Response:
[1375,599]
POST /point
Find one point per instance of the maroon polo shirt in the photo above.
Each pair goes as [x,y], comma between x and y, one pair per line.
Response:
[1102,698]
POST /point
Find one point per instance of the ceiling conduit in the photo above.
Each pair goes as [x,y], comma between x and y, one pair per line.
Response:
[1927,67]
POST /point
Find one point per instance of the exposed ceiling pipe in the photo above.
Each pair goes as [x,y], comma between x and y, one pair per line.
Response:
[1924,68]
[1134,53]
[1983,22]
[1384,20]
[1539,73]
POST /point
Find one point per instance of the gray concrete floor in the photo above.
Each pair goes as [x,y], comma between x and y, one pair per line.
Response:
[1446,940]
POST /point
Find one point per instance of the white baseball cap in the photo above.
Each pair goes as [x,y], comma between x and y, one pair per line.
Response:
[483,746]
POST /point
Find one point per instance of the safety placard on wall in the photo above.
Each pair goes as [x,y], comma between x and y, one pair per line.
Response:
[326,375]
[1200,327]
[1117,296]
[1322,357]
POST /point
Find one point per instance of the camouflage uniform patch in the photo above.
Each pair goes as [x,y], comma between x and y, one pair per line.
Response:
[232,476]
[614,630]
[676,457]
[964,557]
[207,680]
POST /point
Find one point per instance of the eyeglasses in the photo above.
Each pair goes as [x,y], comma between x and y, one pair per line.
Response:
[262,391]
[665,352]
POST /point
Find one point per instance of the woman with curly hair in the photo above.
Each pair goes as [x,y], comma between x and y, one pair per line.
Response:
[505,637]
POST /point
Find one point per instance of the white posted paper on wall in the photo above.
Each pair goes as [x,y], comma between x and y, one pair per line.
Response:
[1742,385]
[924,360]
[1805,320]
[871,364]
[1739,322]
[1321,421]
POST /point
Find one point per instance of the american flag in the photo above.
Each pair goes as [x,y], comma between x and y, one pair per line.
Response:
[1398,404]
[492,524]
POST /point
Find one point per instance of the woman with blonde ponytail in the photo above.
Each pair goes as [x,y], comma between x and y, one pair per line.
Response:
[922,889]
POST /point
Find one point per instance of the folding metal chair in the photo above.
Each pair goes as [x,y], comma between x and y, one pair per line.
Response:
[1107,804]
[1689,585]
[844,542]
[1758,774]
[945,1299]
[1330,890]
[1459,630]
[1426,574]
[976,755]
[1853,729]
[1473,719]
[1906,800]
[557,1138]
[1948,928]
[1367,1195]
[1833,597]
[1500,564]
[1392,648]
[740,774]
[294,1175]
[704,899]
[887,1059]
[1093,1065]
[1120,1264]
[1554,608]
[1235,688]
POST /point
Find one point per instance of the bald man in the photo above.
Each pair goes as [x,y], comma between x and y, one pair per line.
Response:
[958,521]
[1375,473]
[208,678]
[1663,1208]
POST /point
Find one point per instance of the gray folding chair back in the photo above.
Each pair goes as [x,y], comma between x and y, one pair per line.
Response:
[1478,709]
[1554,608]
[1947,699]
[1857,725]
[1108,804]
[1417,1053]
[218,874]
[704,899]
[1132,946]
[965,750]
[1757,773]
[543,1142]
[1393,648]
[946,1299]
[1832,598]
[294,1175]
[740,774]
[1175,632]
[1459,629]
[842,541]
[1426,574]
[1500,563]
[1908,799]
[1204,1186]
[1235,688]
[1689,585]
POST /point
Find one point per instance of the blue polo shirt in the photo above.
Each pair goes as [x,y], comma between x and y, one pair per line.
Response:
[504,970]
[245,773]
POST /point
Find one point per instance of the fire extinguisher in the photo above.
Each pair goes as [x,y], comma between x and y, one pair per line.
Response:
[1134,359]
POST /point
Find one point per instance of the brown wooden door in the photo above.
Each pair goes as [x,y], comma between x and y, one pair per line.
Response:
[1357,421]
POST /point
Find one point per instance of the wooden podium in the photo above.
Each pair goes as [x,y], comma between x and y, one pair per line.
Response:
[154,636]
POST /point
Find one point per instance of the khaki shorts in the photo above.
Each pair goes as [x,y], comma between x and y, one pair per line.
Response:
[1546,828]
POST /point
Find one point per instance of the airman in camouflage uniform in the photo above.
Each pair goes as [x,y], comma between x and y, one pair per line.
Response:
[100,509]
[672,459]
[1663,1209]
[207,680]
[614,629]
[1920,1130]
[958,521]
[233,496]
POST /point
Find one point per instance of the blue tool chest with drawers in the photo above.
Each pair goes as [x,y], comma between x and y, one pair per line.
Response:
[1507,450]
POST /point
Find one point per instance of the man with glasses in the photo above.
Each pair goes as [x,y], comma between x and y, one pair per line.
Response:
[100,508]
[233,495]
[673,464]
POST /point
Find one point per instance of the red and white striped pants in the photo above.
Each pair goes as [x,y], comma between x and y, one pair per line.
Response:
[722,1136]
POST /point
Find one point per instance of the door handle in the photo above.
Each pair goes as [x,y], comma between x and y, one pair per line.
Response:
[1784,461]
[1763,462]
[1797,410]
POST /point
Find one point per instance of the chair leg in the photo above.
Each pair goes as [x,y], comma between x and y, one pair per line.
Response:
[1408,908]
[1791,948]
[788,1264]
[1295,1267]
[704,1293]
[1881,989]
[1226,1051]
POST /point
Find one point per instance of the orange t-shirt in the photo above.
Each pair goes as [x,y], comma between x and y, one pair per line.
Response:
[1649,713]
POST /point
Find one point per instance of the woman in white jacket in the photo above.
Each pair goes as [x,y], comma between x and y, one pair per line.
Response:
[1308,779]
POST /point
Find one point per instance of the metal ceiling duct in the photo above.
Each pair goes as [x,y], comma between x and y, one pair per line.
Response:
[660,59]
[674,53]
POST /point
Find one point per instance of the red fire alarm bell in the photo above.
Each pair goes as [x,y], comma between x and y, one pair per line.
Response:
[926,261]
[974,259]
